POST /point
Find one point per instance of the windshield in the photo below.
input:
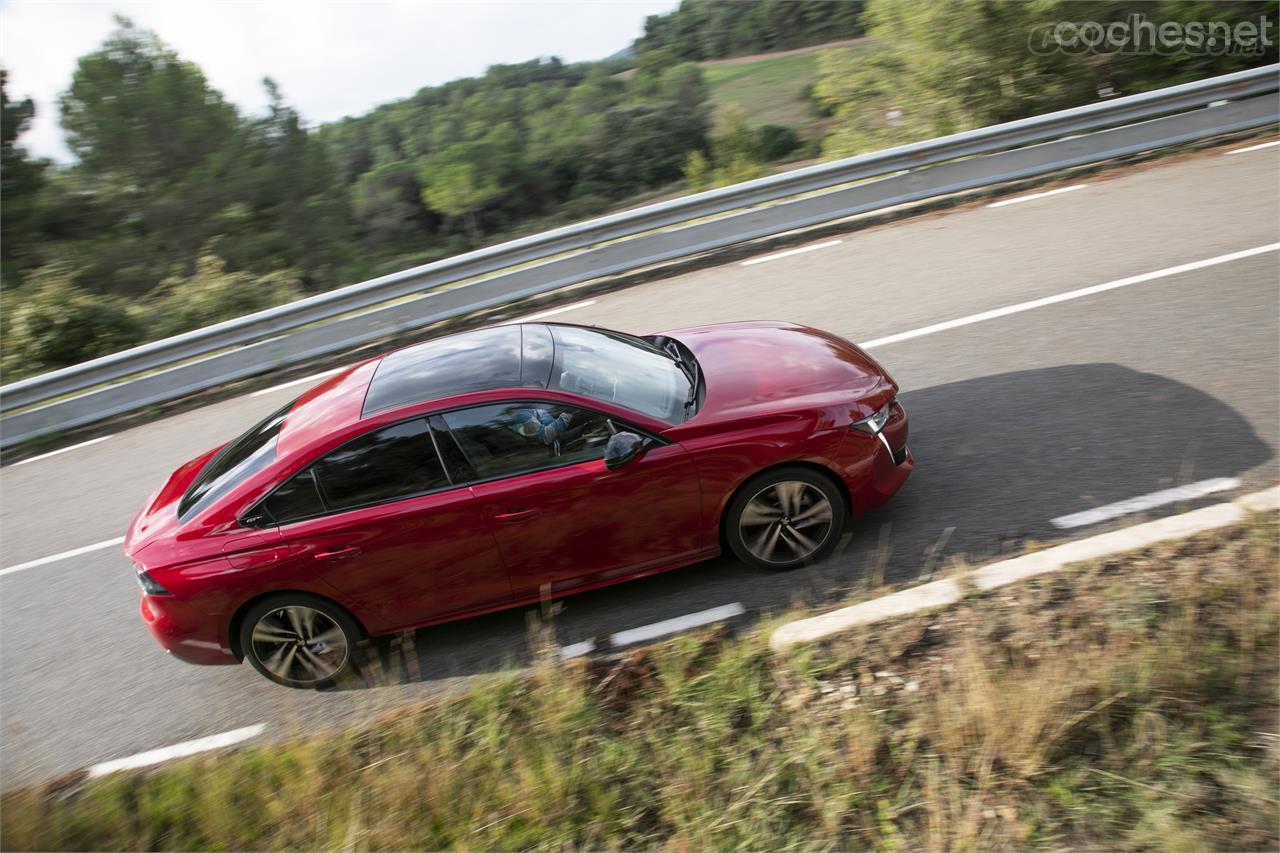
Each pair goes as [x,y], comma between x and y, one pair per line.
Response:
[619,369]
[234,464]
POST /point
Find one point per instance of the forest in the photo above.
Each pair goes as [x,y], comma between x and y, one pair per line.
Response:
[180,209]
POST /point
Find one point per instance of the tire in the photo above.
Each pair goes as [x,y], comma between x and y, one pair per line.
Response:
[785,518]
[273,635]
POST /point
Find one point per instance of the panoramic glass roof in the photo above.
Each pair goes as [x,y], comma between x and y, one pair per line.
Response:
[460,364]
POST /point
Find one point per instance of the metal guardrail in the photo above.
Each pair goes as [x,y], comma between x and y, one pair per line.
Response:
[325,323]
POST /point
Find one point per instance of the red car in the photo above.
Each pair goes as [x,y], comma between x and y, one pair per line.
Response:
[492,468]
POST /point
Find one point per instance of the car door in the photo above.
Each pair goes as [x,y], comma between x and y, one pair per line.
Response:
[561,518]
[381,521]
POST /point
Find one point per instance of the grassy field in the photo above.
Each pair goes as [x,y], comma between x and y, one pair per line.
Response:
[1126,704]
[770,89]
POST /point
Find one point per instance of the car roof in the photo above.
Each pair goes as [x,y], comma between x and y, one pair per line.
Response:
[514,356]
[511,356]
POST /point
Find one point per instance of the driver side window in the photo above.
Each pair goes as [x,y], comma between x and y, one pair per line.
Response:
[509,438]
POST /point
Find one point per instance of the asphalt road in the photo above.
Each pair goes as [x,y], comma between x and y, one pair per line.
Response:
[1016,420]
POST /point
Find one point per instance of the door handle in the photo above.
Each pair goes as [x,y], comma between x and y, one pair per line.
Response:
[516,515]
[338,553]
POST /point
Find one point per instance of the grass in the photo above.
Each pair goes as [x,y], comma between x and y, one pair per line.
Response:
[1125,704]
[769,89]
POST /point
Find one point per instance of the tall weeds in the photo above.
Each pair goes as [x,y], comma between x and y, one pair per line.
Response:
[1127,704]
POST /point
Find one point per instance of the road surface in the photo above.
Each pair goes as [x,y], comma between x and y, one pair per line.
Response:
[1167,376]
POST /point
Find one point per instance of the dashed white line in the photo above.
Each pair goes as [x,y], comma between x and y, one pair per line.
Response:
[550,312]
[764,259]
[996,575]
[1142,503]
[305,379]
[680,623]
[65,555]
[1257,147]
[178,750]
[1033,196]
[659,629]
[1069,295]
[62,450]
[577,650]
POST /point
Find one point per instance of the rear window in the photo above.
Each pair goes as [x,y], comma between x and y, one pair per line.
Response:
[234,464]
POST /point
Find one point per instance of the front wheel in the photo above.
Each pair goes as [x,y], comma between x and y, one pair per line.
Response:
[785,518]
[300,640]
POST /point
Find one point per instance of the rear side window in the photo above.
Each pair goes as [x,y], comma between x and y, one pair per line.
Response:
[235,463]
[298,497]
[394,462]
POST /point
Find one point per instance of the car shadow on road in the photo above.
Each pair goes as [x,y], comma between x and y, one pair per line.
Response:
[997,459]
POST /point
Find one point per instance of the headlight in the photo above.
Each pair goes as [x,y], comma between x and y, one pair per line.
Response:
[148,583]
[875,423]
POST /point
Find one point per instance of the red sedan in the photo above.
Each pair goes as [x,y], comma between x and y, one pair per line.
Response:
[492,468]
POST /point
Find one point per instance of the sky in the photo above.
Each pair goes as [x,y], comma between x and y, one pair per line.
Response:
[332,58]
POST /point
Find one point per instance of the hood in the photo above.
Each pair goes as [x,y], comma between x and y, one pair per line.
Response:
[762,367]
[159,515]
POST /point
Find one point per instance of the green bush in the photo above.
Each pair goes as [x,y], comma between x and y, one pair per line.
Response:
[212,294]
[52,322]
[773,142]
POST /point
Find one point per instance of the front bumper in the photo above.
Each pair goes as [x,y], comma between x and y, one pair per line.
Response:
[183,632]
[876,466]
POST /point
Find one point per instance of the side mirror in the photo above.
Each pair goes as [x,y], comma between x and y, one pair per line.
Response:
[622,448]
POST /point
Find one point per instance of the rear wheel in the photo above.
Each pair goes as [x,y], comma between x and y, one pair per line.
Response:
[785,518]
[300,640]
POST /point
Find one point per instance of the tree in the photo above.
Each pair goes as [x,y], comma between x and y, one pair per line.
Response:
[21,178]
[461,181]
[710,29]
[153,141]
[285,207]
[959,65]
[138,114]
[387,205]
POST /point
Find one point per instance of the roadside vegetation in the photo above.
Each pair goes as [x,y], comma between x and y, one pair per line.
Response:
[1127,704]
[180,211]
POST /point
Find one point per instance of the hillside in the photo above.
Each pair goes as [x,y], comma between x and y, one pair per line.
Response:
[770,87]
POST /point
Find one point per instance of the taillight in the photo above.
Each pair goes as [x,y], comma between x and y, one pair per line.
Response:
[149,585]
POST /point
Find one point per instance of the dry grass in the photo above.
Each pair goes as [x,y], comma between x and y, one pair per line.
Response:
[1126,704]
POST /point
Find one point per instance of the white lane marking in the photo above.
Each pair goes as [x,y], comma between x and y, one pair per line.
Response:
[577,650]
[658,629]
[1142,503]
[995,575]
[789,252]
[1034,196]
[1069,295]
[62,450]
[550,312]
[1257,147]
[65,555]
[178,750]
[281,387]
[680,623]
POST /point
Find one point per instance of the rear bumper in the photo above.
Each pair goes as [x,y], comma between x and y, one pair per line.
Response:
[183,632]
